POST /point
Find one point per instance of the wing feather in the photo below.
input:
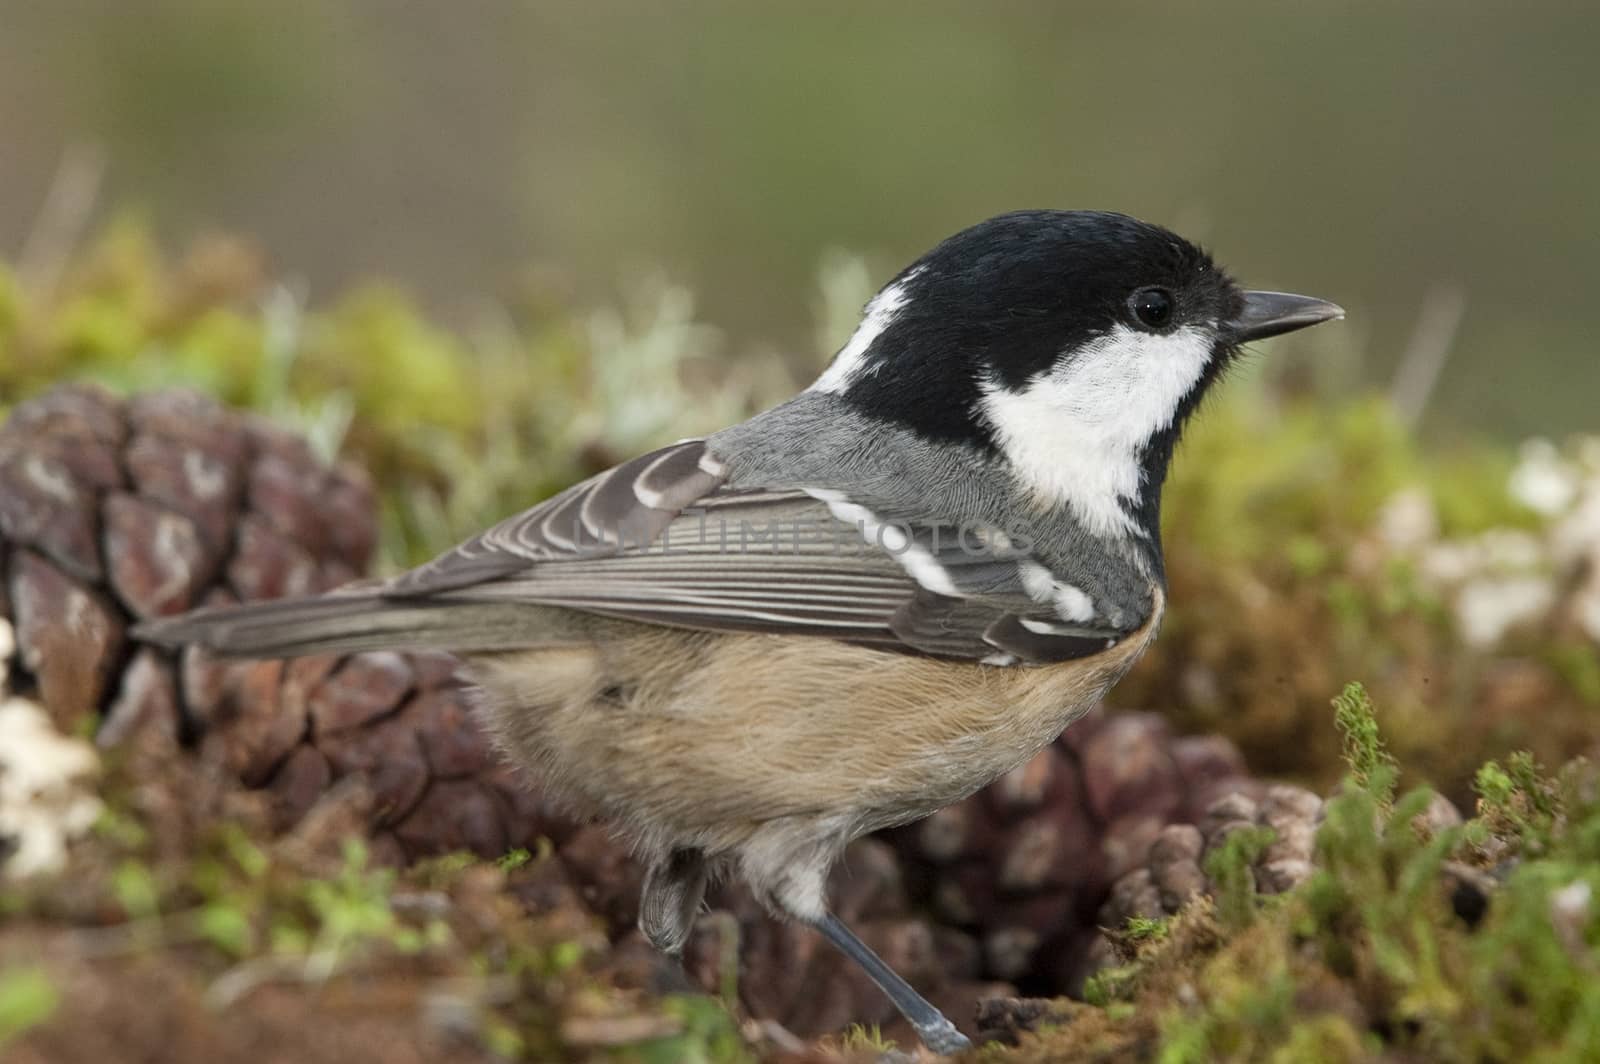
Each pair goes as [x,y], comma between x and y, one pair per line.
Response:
[664,539]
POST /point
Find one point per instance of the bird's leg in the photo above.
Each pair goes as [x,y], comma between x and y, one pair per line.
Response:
[668,903]
[936,1032]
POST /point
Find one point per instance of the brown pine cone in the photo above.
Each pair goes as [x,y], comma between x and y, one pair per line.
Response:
[113,511]
[1173,873]
[1026,864]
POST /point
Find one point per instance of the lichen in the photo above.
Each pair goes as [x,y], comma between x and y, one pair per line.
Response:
[47,794]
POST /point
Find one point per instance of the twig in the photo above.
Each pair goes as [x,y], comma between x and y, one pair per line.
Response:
[1438,322]
[68,205]
[245,976]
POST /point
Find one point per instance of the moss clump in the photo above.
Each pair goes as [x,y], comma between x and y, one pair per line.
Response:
[1370,764]
[1308,542]
[1370,959]
[182,912]
[27,999]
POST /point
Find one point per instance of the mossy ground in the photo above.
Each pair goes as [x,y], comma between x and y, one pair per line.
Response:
[1281,593]
[1377,956]
[183,931]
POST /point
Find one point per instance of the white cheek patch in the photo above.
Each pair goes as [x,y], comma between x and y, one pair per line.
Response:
[1073,435]
[921,565]
[849,365]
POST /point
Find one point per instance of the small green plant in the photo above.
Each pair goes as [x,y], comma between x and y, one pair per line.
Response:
[1370,764]
[512,860]
[136,890]
[27,999]
[1145,929]
[1110,985]
[865,1038]
[1230,868]
[1518,802]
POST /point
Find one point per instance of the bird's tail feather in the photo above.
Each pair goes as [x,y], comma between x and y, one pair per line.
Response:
[346,622]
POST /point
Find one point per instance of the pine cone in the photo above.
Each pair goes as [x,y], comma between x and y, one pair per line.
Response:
[1026,864]
[114,511]
[1173,872]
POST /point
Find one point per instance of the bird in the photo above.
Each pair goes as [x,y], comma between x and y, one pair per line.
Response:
[859,606]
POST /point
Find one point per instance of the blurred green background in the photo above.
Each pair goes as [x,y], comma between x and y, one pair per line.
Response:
[1394,157]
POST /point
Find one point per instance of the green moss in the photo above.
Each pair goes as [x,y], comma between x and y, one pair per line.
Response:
[1371,766]
[28,998]
[1105,987]
[858,1037]
[212,901]
[1368,959]
[512,860]
[136,890]
[10,305]
[1144,929]
[1578,664]
[1230,869]
[1283,583]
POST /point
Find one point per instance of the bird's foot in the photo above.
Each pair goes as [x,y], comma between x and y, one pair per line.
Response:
[942,1037]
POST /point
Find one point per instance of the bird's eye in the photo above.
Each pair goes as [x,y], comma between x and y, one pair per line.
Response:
[1152,306]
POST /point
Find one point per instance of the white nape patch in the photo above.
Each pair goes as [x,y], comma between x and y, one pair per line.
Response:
[849,364]
[711,465]
[1070,603]
[1073,434]
[1001,660]
[912,556]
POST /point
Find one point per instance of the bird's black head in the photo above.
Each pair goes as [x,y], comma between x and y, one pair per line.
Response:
[1073,343]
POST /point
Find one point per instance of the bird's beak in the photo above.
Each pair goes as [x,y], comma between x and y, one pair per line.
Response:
[1267,314]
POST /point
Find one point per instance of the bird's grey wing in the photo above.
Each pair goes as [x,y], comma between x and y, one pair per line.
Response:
[663,540]
[736,559]
[598,518]
[660,539]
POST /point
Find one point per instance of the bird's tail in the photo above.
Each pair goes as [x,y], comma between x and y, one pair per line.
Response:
[349,621]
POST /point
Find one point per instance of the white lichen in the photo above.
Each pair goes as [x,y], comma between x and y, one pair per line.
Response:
[1543,480]
[1487,608]
[1504,578]
[1408,521]
[47,795]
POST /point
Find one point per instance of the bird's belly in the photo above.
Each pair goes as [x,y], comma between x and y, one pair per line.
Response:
[697,739]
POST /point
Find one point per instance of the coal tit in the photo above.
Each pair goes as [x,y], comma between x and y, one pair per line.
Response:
[862,605]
